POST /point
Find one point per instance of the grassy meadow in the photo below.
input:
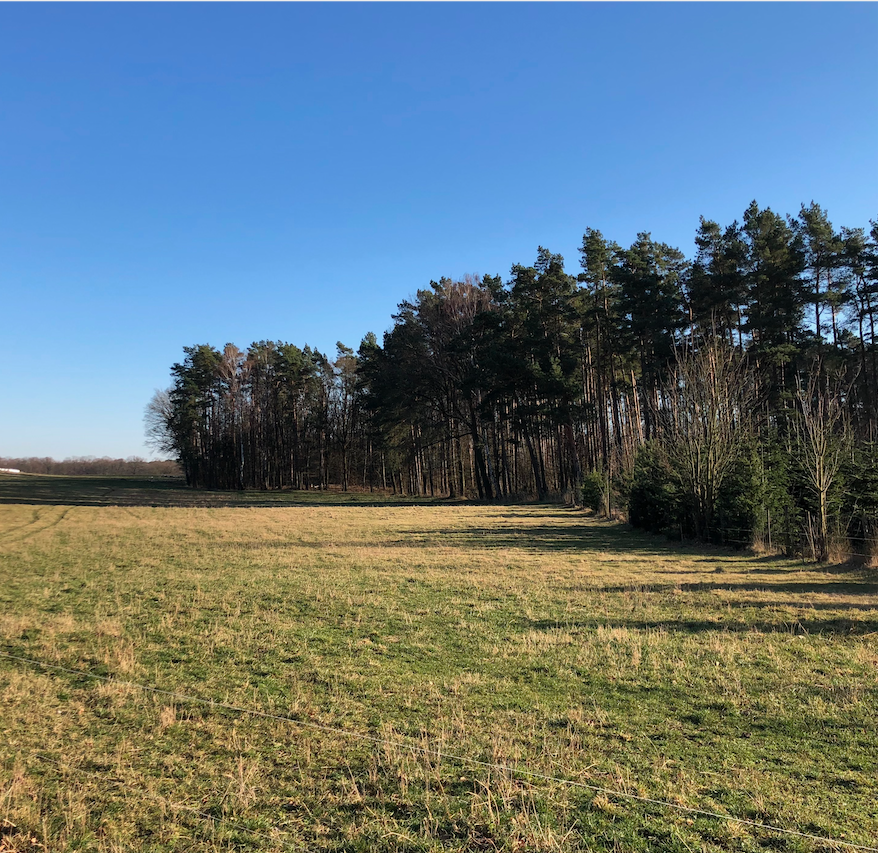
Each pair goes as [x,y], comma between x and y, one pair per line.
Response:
[526,637]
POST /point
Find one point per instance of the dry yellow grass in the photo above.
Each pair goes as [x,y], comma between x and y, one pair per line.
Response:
[524,636]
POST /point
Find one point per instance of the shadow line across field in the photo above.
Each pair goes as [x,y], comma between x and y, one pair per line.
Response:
[859,587]
[796,625]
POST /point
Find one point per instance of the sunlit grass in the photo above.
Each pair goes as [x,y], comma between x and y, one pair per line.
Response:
[522,636]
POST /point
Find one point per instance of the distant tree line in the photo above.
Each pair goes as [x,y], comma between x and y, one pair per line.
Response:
[726,396]
[104,466]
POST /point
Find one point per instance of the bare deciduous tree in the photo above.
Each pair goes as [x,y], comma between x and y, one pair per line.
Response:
[822,438]
[705,422]
[157,423]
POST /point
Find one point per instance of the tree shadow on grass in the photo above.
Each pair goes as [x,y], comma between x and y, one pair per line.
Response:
[847,587]
[795,625]
[624,540]
[583,537]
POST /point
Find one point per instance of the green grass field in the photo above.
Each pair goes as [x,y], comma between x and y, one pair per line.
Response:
[514,640]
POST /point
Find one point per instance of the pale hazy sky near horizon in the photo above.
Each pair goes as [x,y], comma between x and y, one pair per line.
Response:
[177,174]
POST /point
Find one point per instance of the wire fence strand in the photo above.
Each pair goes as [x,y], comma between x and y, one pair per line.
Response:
[461,759]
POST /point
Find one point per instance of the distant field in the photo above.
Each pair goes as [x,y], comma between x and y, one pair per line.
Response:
[523,637]
[36,489]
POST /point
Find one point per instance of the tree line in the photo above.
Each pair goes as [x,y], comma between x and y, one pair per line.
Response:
[103,466]
[734,393]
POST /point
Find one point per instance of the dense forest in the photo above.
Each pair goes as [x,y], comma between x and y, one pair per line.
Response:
[732,396]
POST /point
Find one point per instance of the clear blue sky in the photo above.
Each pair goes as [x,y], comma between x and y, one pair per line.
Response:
[175,174]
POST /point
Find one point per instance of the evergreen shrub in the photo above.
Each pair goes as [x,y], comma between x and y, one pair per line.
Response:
[653,499]
[592,491]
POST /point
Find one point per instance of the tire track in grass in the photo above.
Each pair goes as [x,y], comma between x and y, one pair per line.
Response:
[29,530]
[36,515]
